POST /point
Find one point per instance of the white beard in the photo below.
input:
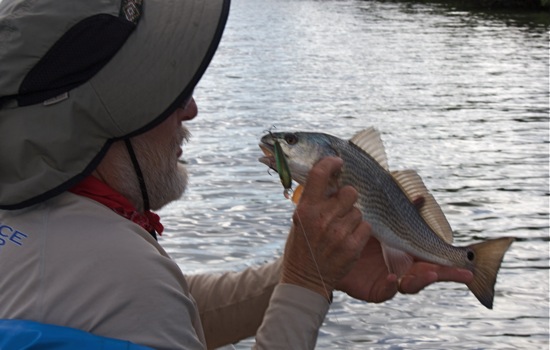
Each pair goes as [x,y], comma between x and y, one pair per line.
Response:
[165,178]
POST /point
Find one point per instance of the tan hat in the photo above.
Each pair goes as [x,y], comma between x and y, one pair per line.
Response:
[77,75]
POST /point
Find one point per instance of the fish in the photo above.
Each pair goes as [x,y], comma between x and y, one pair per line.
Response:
[404,216]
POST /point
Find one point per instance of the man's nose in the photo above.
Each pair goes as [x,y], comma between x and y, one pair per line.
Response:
[190,110]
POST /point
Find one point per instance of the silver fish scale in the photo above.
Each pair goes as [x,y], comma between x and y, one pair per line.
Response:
[393,218]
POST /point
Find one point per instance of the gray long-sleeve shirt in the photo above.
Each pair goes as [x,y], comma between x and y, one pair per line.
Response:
[73,262]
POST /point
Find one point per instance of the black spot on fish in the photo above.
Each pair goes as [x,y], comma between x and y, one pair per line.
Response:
[470,255]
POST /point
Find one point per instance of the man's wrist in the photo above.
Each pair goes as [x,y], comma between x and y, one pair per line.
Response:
[318,286]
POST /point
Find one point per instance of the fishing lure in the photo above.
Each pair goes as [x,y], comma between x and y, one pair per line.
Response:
[282,168]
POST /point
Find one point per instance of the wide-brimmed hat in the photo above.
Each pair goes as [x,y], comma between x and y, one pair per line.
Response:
[77,75]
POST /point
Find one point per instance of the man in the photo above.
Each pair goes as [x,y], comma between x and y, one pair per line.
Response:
[93,96]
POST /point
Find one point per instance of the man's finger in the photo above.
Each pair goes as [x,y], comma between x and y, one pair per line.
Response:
[320,177]
[412,284]
[347,196]
[423,274]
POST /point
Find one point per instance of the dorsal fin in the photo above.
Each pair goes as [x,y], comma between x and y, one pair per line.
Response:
[369,141]
[411,183]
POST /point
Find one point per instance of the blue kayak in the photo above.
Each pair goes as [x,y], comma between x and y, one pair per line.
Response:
[30,335]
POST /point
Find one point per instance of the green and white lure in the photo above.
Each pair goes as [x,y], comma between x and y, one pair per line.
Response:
[283,169]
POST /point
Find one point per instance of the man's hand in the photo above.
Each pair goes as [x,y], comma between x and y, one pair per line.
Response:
[328,234]
[370,280]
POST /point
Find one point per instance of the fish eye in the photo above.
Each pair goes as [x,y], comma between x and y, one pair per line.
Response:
[291,139]
[470,255]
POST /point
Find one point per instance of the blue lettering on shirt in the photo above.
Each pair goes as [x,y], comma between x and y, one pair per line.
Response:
[17,237]
[11,235]
[5,231]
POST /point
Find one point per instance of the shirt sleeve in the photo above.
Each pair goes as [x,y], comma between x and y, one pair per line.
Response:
[293,319]
[232,305]
[238,305]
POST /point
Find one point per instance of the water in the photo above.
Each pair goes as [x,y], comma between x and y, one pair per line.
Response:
[461,97]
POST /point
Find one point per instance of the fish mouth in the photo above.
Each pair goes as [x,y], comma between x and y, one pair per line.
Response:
[269,155]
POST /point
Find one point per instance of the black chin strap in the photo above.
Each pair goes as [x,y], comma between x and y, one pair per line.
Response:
[141,180]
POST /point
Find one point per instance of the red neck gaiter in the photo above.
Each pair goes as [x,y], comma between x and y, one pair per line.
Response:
[99,191]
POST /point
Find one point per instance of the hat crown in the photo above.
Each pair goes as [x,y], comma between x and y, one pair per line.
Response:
[37,64]
[48,145]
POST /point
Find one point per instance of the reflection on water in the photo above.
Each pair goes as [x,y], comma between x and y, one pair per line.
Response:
[460,97]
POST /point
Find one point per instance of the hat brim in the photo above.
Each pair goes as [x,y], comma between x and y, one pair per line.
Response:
[154,72]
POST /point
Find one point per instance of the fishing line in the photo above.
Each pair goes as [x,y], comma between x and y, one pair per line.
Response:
[328,295]
[283,169]
[286,180]
[313,257]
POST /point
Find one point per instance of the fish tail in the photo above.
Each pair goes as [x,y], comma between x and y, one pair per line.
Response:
[487,257]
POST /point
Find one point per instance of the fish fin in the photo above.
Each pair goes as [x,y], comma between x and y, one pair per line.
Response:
[411,183]
[297,194]
[487,257]
[369,141]
[397,261]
